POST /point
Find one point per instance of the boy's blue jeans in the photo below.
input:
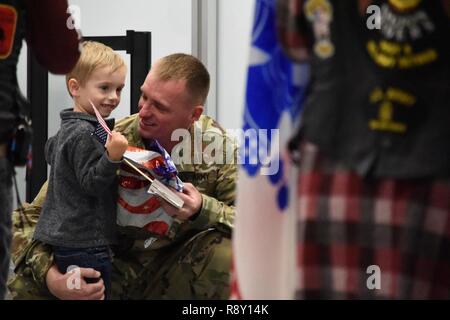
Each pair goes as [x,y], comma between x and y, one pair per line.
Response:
[98,258]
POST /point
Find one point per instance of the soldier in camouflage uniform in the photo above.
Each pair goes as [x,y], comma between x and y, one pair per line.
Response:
[193,261]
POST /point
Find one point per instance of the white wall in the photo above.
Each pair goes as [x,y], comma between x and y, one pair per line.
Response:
[234,38]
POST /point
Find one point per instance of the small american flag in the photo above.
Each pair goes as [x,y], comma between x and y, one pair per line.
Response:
[101,131]
[100,119]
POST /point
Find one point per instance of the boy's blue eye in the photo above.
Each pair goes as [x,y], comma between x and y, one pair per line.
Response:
[104,87]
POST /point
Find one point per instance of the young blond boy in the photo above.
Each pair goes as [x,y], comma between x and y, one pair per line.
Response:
[78,217]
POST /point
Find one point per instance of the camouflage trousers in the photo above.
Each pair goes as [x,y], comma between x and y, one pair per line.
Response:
[196,267]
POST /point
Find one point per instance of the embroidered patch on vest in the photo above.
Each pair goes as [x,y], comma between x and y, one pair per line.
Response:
[387,101]
[320,13]
[404,5]
[8,21]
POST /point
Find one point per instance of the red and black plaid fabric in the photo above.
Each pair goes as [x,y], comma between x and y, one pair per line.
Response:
[347,223]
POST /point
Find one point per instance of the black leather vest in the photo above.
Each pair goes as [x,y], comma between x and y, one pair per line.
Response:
[12,32]
[380,98]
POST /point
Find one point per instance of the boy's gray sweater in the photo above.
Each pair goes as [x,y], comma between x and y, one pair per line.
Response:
[80,207]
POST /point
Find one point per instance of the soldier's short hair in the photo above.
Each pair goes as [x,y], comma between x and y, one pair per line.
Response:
[180,66]
[94,55]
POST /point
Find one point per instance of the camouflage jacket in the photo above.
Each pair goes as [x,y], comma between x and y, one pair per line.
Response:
[215,181]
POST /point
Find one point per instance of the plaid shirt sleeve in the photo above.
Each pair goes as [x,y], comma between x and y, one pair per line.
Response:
[292,29]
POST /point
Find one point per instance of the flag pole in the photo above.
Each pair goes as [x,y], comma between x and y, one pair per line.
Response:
[137,169]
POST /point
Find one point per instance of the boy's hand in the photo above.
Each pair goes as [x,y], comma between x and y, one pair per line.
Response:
[116,146]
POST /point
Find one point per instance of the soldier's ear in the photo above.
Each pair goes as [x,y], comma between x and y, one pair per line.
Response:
[196,113]
[73,86]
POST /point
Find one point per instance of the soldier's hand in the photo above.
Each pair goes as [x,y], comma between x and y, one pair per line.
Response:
[66,287]
[192,203]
